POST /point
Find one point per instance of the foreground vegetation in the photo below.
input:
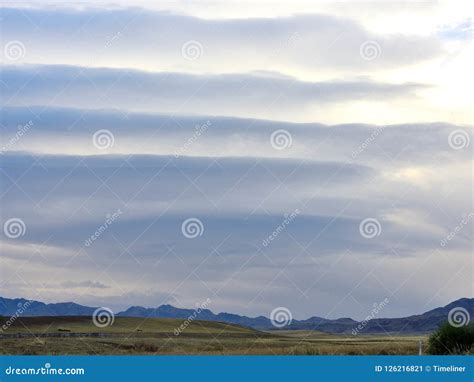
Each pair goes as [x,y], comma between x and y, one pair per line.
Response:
[51,335]
[452,340]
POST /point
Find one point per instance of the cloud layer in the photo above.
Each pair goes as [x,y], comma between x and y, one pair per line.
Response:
[314,161]
[260,94]
[148,39]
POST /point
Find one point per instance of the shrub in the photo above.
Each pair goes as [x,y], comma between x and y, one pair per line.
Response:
[451,340]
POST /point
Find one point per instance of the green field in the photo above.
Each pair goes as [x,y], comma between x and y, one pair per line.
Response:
[52,335]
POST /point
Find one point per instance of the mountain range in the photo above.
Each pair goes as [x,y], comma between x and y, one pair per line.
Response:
[420,323]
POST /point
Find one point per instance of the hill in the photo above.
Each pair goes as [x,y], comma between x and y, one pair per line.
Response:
[66,335]
[421,323]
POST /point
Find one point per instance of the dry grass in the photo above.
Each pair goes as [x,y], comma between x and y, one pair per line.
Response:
[156,336]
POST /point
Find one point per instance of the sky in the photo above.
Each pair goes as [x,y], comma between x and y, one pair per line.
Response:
[314,156]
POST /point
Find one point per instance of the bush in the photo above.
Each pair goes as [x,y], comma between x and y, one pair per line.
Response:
[451,340]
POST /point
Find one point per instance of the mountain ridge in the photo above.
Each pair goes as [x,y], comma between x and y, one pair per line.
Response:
[418,323]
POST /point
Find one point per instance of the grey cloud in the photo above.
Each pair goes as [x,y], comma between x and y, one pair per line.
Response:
[70,131]
[257,94]
[63,200]
[84,284]
[100,37]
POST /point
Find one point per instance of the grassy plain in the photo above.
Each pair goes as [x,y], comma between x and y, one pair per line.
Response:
[78,335]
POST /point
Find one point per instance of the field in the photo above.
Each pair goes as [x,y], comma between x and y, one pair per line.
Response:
[78,335]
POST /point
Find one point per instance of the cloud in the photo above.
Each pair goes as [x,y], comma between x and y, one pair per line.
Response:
[153,40]
[258,94]
[460,31]
[64,200]
[71,131]
[83,284]
[120,124]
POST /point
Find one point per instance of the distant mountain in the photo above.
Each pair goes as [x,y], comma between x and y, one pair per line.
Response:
[422,323]
[9,307]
